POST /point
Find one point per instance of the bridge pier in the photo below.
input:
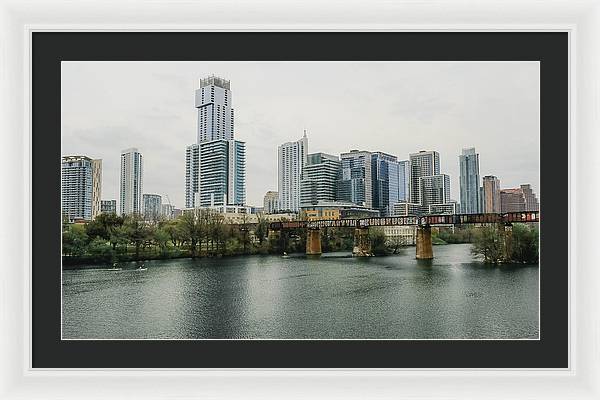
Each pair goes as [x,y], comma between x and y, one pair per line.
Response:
[313,242]
[362,243]
[424,248]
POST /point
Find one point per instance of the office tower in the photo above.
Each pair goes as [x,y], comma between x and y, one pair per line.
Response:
[519,199]
[108,206]
[81,181]
[215,114]
[152,206]
[271,202]
[216,164]
[423,163]
[222,173]
[167,211]
[319,179]
[435,189]
[291,158]
[390,180]
[356,184]
[192,171]
[131,182]
[490,194]
[469,181]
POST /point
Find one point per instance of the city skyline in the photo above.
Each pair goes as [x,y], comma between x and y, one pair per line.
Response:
[89,131]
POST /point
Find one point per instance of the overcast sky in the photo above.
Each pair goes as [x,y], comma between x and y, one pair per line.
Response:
[395,107]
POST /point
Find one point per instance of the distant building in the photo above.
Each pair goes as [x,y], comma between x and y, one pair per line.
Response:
[167,211]
[108,206]
[215,112]
[192,174]
[177,212]
[356,184]
[423,163]
[131,182]
[519,199]
[81,185]
[469,181]
[222,173]
[333,210]
[407,234]
[319,179]
[491,194]
[445,208]
[291,157]
[434,189]
[407,209]
[271,202]
[390,179]
[152,206]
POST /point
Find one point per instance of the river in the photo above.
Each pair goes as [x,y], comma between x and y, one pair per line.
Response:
[336,296]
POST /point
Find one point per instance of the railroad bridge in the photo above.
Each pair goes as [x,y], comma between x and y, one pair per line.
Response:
[424,248]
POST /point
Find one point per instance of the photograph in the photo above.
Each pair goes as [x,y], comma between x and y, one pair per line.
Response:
[300,200]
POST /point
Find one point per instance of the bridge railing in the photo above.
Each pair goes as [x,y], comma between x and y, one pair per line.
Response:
[443,219]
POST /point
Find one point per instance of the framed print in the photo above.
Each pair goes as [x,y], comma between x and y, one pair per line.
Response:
[310,205]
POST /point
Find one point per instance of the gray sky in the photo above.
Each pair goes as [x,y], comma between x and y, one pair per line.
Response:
[395,107]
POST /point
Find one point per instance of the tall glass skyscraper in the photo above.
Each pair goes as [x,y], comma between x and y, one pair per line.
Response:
[216,164]
[131,182]
[469,181]
[423,163]
[356,185]
[319,179]
[291,159]
[81,184]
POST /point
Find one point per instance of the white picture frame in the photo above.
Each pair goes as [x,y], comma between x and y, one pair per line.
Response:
[19,19]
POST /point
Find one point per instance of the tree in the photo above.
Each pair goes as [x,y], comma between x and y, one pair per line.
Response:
[161,237]
[190,226]
[102,225]
[75,240]
[395,244]
[262,229]
[489,243]
[138,232]
[525,244]
[378,242]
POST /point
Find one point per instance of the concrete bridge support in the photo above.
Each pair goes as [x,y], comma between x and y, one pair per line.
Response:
[362,243]
[313,242]
[424,247]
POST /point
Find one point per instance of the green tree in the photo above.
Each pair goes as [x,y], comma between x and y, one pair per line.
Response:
[525,244]
[100,249]
[75,240]
[488,242]
[137,231]
[378,242]
[262,229]
[161,238]
[190,226]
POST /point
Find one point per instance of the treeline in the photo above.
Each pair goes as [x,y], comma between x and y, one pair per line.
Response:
[523,244]
[203,233]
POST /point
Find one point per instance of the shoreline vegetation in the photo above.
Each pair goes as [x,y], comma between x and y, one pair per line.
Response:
[110,239]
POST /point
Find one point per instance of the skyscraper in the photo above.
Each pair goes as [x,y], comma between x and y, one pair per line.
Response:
[356,184]
[216,164]
[192,174]
[131,182]
[291,158]
[435,189]
[215,114]
[423,163]
[491,194]
[519,199]
[319,179]
[108,206]
[152,206]
[271,202]
[404,180]
[81,185]
[469,181]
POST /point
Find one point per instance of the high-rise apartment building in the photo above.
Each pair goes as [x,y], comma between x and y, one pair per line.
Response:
[167,211]
[356,184]
[423,163]
[319,179]
[81,185]
[216,164]
[215,114]
[131,182]
[291,158]
[469,181]
[435,189]
[271,202]
[152,206]
[108,206]
[390,179]
[490,191]
[222,173]
[519,199]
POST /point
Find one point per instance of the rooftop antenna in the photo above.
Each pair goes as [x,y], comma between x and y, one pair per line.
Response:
[305,133]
